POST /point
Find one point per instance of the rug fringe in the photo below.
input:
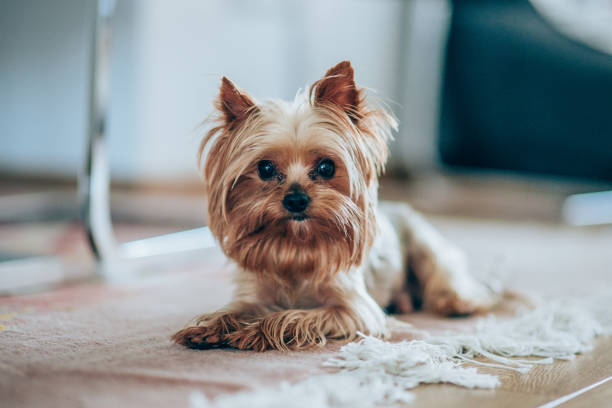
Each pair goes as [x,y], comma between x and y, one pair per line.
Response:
[375,372]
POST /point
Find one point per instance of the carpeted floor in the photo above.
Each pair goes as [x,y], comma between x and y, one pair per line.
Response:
[101,344]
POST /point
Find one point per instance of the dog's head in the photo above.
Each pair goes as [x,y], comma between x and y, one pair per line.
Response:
[292,186]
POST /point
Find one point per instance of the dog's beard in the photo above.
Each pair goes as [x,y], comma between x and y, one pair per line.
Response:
[263,238]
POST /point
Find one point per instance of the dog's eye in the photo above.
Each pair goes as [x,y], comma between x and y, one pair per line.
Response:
[326,168]
[266,169]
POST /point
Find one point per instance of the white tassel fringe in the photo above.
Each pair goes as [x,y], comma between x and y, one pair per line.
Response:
[374,372]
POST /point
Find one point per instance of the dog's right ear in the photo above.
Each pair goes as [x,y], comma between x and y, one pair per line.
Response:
[234,105]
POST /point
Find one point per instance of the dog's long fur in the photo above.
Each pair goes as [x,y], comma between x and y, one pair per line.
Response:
[325,276]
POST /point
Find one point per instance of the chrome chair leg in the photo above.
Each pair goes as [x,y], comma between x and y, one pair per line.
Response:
[94,180]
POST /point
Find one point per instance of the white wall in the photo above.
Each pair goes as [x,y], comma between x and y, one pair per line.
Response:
[167,61]
[44,49]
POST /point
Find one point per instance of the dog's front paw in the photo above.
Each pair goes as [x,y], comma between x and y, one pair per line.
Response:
[275,332]
[250,337]
[199,337]
[212,332]
[226,330]
[283,331]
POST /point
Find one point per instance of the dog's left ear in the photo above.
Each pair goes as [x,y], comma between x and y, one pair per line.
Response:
[338,88]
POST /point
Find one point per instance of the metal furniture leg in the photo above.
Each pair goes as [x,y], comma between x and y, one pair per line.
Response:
[94,181]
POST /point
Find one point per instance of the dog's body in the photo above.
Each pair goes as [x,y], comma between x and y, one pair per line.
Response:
[293,202]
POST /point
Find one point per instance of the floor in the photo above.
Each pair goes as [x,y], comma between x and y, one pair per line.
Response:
[99,343]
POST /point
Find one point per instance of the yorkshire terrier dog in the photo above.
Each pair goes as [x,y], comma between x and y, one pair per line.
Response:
[293,202]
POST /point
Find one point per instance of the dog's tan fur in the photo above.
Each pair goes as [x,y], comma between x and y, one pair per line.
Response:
[301,283]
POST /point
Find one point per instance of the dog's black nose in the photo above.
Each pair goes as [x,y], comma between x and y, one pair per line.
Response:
[296,201]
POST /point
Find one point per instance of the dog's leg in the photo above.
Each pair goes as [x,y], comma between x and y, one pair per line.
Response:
[446,285]
[348,309]
[212,330]
[254,322]
[298,329]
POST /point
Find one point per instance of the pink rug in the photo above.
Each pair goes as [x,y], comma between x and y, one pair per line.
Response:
[100,345]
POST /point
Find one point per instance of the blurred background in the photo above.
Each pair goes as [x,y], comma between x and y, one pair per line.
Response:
[505,107]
